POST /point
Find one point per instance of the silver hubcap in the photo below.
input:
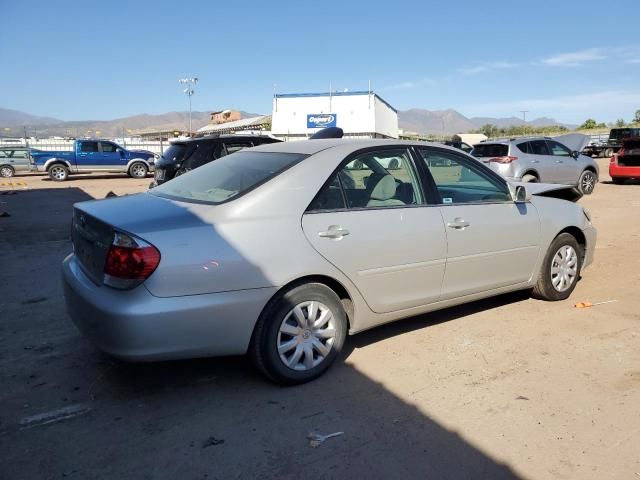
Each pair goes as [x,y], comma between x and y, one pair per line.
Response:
[5,172]
[564,268]
[588,182]
[138,171]
[58,173]
[306,335]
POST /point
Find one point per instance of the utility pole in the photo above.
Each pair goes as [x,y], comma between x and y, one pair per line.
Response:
[524,121]
[189,82]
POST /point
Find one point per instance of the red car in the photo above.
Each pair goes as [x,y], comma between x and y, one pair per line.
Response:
[626,163]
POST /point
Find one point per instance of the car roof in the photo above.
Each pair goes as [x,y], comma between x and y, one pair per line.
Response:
[311,147]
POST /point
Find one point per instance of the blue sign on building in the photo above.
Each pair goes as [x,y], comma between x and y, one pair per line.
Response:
[321,120]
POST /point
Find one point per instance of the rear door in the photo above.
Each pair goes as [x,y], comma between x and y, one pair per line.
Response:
[543,160]
[492,241]
[88,156]
[567,170]
[374,225]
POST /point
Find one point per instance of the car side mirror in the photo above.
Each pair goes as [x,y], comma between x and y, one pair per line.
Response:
[521,194]
[575,154]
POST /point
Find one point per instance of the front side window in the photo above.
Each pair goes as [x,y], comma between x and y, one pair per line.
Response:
[108,147]
[375,179]
[460,180]
[227,178]
[558,149]
[88,147]
[235,147]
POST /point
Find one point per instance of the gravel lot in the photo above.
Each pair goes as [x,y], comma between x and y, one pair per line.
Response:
[509,387]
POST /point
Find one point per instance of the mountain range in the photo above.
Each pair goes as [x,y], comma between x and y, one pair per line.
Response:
[438,122]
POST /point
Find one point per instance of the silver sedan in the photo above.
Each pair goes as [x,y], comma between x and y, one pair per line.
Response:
[284,249]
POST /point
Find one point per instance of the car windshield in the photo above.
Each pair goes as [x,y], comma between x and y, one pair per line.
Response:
[490,150]
[228,177]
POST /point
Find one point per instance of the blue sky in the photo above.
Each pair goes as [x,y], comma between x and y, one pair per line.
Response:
[103,60]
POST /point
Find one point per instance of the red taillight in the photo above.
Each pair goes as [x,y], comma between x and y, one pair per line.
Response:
[505,159]
[621,152]
[129,261]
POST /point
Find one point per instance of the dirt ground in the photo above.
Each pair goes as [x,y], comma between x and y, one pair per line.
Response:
[509,387]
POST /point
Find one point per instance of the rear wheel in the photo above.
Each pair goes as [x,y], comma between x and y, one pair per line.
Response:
[530,178]
[560,269]
[299,334]
[7,171]
[608,152]
[587,182]
[138,170]
[58,172]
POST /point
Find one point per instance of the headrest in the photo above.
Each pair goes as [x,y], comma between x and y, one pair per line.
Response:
[385,189]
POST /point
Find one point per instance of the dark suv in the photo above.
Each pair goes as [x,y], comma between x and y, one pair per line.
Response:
[186,155]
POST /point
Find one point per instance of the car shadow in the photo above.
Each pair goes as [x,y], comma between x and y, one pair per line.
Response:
[631,181]
[88,176]
[71,411]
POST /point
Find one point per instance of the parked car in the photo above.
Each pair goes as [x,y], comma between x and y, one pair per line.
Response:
[613,143]
[626,163]
[465,147]
[13,159]
[93,156]
[269,251]
[186,155]
[541,159]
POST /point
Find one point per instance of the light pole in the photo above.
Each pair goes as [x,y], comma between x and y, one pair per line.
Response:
[524,121]
[189,82]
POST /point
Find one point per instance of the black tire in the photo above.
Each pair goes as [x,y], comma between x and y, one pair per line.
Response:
[58,172]
[617,180]
[608,152]
[7,171]
[587,182]
[266,335]
[138,170]
[544,289]
[530,178]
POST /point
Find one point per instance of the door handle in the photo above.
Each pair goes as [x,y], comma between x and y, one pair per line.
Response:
[535,161]
[458,224]
[559,161]
[335,232]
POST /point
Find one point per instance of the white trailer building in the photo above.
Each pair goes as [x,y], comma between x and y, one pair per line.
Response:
[297,116]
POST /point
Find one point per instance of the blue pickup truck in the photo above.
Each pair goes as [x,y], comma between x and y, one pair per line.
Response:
[93,156]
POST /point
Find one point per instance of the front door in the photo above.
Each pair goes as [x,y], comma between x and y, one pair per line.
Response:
[566,167]
[371,222]
[492,241]
[110,157]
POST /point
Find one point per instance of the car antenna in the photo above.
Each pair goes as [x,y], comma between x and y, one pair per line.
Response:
[329,132]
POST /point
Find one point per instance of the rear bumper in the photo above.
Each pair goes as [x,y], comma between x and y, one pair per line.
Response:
[616,170]
[134,325]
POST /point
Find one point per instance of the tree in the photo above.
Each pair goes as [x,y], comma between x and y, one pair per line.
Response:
[637,117]
[489,130]
[620,122]
[588,124]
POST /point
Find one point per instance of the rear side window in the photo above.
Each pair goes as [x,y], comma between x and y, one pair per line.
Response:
[539,147]
[233,147]
[525,147]
[490,150]
[228,177]
[89,147]
[177,151]
[201,154]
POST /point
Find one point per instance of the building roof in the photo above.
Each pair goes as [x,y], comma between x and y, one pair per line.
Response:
[236,124]
[334,94]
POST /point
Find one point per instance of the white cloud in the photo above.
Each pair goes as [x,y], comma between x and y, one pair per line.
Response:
[486,67]
[574,59]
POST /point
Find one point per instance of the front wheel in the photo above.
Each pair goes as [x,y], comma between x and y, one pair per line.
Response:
[560,269]
[587,182]
[299,334]
[58,173]
[138,170]
[7,171]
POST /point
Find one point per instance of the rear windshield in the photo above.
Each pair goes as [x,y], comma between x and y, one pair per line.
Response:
[176,152]
[228,177]
[490,150]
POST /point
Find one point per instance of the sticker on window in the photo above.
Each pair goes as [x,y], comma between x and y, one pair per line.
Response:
[447,200]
